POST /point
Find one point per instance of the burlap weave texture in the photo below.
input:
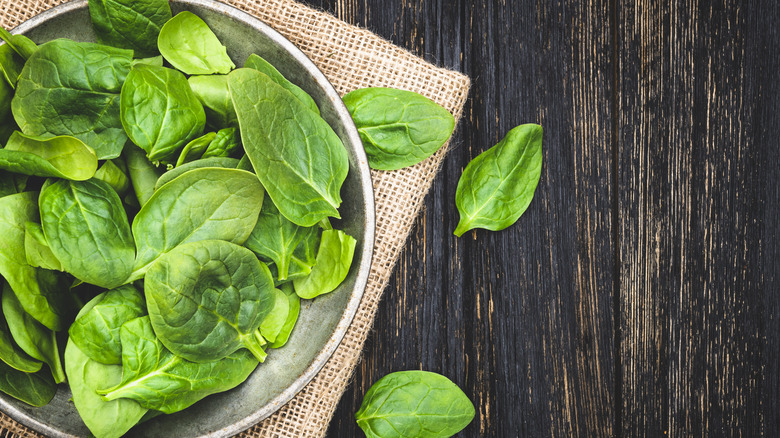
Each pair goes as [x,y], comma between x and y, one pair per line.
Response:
[351,58]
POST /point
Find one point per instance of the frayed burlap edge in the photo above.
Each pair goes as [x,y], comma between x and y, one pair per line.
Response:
[351,58]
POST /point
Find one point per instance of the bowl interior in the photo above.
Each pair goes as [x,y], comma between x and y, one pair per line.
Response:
[322,322]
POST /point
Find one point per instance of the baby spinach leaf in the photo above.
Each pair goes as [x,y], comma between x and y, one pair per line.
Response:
[32,336]
[295,153]
[414,404]
[70,88]
[143,174]
[156,61]
[35,389]
[96,331]
[87,230]
[207,299]
[6,96]
[274,238]
[130,24]
[12,355]
[334,258]
[227,141]
[274,322]
[105,419]
[265,67]
[189,45]
[36,248]
[62,157]
[22,45]
[114,176]
[213,93]
[41,292]
[245,164]
[195,149]
[159,111]
[399,128]
[223,162]
[497,186]
[294,308]
[11,183]
[303,258]
[201,204]
[11,63]
[158,379]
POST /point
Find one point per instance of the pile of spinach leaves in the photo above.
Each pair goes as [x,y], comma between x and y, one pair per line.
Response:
[162,214]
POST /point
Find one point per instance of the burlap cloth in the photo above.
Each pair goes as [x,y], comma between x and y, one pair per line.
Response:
[351,58]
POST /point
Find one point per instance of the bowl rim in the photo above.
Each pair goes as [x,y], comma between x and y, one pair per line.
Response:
[369,226]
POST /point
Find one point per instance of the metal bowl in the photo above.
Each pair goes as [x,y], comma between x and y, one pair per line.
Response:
[323,321]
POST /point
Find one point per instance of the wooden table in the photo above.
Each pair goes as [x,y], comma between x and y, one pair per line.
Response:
[638,295]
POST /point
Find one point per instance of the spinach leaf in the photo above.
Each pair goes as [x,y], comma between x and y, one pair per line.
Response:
[11,63]
[6,96]
[159,111]
[399,128]
[113,175]
[223,162]
[12,355]
[497,186]
[245,164]
[300,161]
[11,183]
[189,45]
[414,404]
[130,24]
[36,249]
[274,322]
[334,258]
[207,299]
[294,308]
[303,258]
[35,389]
[22,45]
[195,149]
[201,204]
[105,419]
[32,336]
[62,157]
[156,61]
[40,291]
[227,141]
[143,174]
[87,230]
[265,67]
[274,238]
[70,88]
[213,93]
[158,379]
[96,331]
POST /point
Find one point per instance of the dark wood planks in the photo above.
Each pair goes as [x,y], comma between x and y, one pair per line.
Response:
[691,216]
[522,319]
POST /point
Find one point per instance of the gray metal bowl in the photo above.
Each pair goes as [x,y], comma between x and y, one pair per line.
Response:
[323,321]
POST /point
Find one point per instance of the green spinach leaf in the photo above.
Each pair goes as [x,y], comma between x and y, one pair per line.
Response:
[70,88]
[497,186]
[22,45]
[32,336]
[213,93]
[399,128]
[334,258]
[194,150]
[158,379]
[159,111]
[113,175]
[207,299]
[87,230]
[35,389]
[96,331]
[201,204]
[265,67]
[36,249]
[11,63]
[300,161]
[143,174]
[294,308]
[274,238]
[12,355]
[130,24]
[62,157]
[274,322]
[226,142]
[223,162]
[414,404]
[41,292]
[189,45]
[11,183]
[105,419]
